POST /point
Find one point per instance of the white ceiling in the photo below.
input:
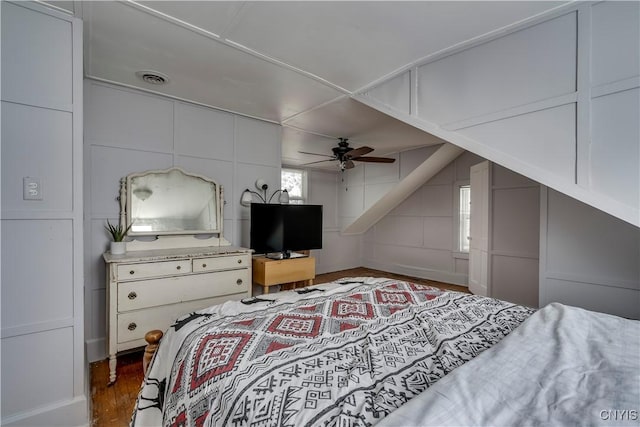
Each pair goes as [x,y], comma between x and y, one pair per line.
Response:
[293,62]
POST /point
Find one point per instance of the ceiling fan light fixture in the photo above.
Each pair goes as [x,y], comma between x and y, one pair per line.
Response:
[153,77]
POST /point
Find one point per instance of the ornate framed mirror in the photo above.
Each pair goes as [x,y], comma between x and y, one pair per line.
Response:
[170,202]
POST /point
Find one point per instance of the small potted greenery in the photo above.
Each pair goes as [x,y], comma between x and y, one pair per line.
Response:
[118,246]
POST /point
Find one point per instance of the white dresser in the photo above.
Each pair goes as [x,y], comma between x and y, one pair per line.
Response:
[149,289]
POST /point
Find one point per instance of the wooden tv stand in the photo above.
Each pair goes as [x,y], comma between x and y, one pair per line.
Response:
[268,272]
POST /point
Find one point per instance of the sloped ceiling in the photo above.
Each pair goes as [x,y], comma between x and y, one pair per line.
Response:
[293,63]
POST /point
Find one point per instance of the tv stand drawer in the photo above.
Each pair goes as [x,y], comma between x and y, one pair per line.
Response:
[267,272]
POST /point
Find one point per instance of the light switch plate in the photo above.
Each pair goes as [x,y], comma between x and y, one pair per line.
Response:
[31,188]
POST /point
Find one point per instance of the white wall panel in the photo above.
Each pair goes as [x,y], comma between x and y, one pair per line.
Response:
[531,137]
[409,160]
[414,205]
[23,365]
[258,142]
[43,372]
[122,118]
[376,173]
[445,177]
[351,201]
[615,34]
[418,258]
[530,65]
[44,76]
[605,299]
[374,192]
[203,132]
[396,93]
[108,165]
[515,279]
[338,253]
[36,142]
[37,281]
[615,140]
[584,243]
[438,232]
[438,199]
[515,221]
[404,231]
[246,176]
[323,190]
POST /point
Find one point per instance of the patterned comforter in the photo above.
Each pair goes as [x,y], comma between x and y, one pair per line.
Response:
[347,353]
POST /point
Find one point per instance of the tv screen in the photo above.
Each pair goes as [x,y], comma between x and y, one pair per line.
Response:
[285,228]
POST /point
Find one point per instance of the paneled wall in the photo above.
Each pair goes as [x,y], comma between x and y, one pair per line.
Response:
[514,237]
[588,258]
[338,252]
[43,372]
[418,237]
[556,99]
[130,131]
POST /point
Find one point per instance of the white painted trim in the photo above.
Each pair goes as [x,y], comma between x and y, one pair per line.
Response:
[97,79]
[615,87]
[600,281]
[66,413]
[507,254]
[96,349]
[583,104]
[38,327]
[423,273]
[64,108]
[556,101]
[542,258]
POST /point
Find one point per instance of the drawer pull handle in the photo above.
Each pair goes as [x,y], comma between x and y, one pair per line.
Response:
[239,282]
[132,295]
[204,265]
[132,272]
[132,326]
[178,267]
[239,261]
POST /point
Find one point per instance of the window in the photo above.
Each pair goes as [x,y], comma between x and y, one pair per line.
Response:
[295,182]
[464,217]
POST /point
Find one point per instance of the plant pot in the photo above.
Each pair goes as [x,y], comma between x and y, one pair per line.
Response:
[118,248]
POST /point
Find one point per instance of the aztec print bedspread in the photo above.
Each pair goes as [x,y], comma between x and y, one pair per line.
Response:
[347,353]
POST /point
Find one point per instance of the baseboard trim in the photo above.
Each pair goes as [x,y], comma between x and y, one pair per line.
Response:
[96,349]
[68,413]
[423,273]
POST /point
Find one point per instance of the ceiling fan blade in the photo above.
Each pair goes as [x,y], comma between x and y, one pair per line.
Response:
[317,161]
[315,154]
[374,159]
[349,164]
[357,152]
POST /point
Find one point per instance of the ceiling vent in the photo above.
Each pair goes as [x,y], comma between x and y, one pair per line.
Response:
[153,77]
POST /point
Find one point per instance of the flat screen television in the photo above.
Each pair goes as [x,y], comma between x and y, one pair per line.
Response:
[282,229]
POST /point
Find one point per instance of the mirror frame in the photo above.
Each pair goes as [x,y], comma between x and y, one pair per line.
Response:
[126,201]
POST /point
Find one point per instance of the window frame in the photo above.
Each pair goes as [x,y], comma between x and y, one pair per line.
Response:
[457,251]
[304,189]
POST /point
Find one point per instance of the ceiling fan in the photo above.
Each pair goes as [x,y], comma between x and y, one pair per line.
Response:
[346,155]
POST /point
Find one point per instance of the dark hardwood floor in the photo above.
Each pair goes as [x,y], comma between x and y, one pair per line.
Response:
[112,406]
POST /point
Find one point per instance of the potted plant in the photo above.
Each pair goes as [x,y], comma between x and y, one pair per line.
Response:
[118,246]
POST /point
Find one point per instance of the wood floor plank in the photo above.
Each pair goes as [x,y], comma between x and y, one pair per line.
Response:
[112,406]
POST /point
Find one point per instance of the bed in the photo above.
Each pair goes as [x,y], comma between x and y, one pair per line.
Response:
[366,351]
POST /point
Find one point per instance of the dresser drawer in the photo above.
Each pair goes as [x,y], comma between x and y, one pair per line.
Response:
[221,263]
[140,294]
[153,269]
[133,325]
